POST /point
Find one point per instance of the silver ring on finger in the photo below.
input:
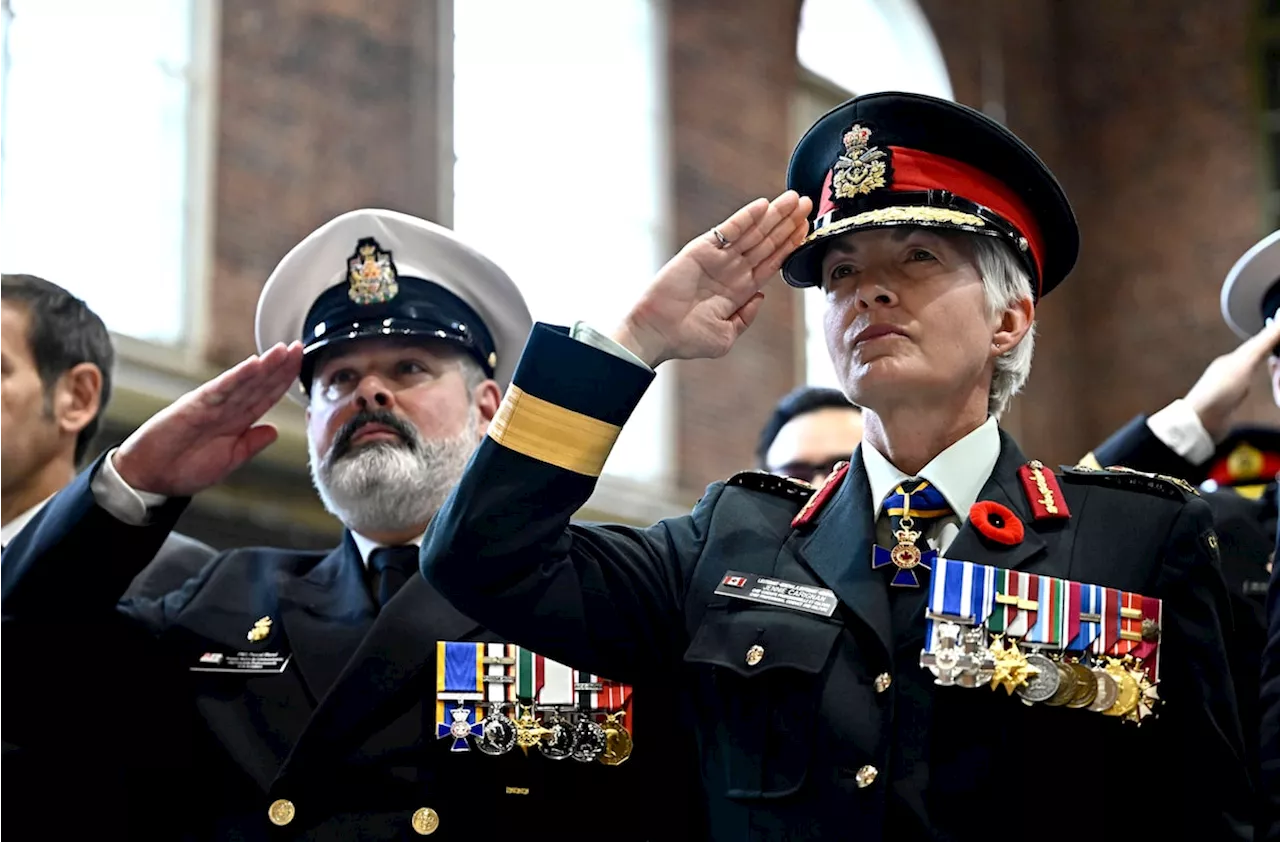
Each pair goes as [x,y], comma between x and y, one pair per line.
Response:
[721,238]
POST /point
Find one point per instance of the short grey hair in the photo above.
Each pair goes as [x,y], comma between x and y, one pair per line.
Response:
[1005,281]
[472,374]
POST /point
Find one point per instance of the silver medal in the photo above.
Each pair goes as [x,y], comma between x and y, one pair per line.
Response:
[1041,686]
[498,735]
[561,739]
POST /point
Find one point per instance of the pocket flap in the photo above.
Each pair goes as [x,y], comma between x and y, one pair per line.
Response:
[752,641]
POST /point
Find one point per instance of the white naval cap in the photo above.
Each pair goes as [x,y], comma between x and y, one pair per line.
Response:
[374,273]
[1251,294]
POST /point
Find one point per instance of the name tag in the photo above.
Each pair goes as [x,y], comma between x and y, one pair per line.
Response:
[777,592]
[241,662]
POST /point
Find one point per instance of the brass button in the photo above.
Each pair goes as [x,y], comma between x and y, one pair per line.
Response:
[425,821]
[866,776]
[755,655]
[281,812]
[883,680]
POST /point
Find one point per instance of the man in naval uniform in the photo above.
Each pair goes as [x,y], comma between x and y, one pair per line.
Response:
[795,628]
[302,692]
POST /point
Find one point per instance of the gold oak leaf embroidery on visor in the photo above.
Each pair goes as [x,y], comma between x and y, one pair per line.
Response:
[549,433]
[881,216]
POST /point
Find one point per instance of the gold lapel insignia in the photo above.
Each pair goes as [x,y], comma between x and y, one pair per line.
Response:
[261,628]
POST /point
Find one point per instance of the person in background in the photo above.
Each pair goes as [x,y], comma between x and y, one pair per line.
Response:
[810,431]
[56,361]
[1195,438]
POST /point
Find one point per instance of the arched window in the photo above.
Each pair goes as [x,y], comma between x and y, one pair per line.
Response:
[105,147]
[850,47]
[560,177]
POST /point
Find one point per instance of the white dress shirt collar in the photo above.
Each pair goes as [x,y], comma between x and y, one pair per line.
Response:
[368,545]
[959,472]
[11,529]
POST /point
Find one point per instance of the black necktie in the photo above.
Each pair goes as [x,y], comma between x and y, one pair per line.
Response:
[391,568]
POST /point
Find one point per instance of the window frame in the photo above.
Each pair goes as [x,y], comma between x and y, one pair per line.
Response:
[185,356]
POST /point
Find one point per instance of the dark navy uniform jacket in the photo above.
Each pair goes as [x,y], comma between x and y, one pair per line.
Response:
[346,731]
[804,742]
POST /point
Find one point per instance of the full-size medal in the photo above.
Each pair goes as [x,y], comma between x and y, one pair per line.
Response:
[529,731]
[1127,697]
[1108,690]
[1086,686]
[1042,680]
[497,733]
[459,729]
[617,746]
[560,739]
[1066,687]
[1012,668]
[591,740]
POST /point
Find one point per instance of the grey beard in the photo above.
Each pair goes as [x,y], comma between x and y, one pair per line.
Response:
[393,486]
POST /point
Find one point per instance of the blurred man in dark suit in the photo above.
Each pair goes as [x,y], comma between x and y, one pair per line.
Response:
[56,382]
[810,430]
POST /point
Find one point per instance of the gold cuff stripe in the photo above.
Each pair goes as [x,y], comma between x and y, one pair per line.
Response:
[549,433]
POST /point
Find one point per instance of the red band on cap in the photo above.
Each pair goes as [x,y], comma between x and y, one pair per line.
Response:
[1220,472]
[915,171]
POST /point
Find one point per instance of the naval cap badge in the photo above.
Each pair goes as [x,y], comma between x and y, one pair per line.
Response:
[371,273]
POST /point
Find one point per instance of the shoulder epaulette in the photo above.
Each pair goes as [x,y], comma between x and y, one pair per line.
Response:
[1043,493]
[818,500]
[786,487]
[1118,476]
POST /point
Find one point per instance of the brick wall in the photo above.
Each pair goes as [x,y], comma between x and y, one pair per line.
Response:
[1146,111]
[315,117]
[732,70]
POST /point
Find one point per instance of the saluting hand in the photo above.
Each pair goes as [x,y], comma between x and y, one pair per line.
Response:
[709,293]
[207,433]
[1225,383]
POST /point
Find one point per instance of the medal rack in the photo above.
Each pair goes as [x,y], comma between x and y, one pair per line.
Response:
[498,697]
[1050,641]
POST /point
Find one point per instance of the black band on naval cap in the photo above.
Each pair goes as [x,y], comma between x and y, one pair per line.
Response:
[417,307]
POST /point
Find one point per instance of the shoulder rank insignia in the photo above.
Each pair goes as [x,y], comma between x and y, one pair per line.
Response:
[820,498]
[1122,477]
[1043,492]
[787,487]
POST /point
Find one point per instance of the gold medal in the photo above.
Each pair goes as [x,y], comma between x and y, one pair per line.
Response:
[1128,692]
[1066,687]
[1011,669]
[529,731]
[617,740]
[1086,686]
[1108,691]
[907,554]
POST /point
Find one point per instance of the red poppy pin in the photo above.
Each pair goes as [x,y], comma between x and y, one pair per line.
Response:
[996,522]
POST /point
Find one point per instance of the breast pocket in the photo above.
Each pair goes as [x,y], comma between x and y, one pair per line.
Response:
[760,673]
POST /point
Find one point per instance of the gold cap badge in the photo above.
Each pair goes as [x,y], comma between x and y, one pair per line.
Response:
[862,168]
[372,274]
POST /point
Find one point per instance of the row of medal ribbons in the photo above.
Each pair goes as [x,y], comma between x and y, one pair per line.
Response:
[499,697]
[1050,641]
